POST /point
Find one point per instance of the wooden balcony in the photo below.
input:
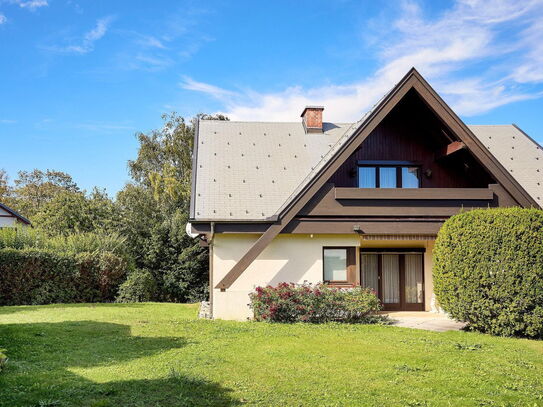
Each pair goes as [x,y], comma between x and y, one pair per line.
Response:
[437,194]
[416,202]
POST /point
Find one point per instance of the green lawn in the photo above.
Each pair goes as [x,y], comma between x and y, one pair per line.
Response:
[161,355]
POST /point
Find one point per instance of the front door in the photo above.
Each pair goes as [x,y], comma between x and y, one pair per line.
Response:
[397,277]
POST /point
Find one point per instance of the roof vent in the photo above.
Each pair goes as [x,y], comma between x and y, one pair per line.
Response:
[312,119]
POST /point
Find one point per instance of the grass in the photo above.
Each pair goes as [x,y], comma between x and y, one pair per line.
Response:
[161,355]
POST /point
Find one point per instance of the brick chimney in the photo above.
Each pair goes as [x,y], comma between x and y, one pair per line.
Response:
[312,119]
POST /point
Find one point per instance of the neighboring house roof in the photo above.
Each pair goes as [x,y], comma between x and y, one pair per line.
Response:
[248,170]
[15,214]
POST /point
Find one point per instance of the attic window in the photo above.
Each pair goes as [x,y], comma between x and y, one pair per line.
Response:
[388,175]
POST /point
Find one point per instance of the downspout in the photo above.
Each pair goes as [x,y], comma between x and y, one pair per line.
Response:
[210,254]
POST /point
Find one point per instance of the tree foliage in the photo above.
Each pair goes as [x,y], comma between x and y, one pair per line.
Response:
[154,211]
[149,214]
[34,189]
[74,212]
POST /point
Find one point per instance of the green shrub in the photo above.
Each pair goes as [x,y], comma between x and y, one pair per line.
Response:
[21,238]
[99,276]
[140,286]
[313,303]
[36,276]
[41,276]
[31,238]
[488,270]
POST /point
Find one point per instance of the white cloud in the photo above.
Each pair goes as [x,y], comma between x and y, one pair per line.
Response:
[150,42]
[7,121]
[32,4]
[211,90]
[27,4]
[86,44]
[466,53]
[3,19]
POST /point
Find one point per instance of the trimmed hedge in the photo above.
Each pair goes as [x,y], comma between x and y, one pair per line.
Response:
[313,303]
[488,270]
[40,276]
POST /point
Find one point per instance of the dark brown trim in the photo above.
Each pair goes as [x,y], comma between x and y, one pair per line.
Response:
[374,227]
[415,193]
[202,228]
[366,250]
[367,163]
[450,149]
[350,269]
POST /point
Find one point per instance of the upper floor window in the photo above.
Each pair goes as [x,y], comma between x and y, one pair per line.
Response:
[388,176]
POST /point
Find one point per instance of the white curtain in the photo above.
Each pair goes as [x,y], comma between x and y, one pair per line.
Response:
[387,177]
[413,279]
[391,278]
[370,272]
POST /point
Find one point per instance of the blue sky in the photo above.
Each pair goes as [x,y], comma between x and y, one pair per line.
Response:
[79,78]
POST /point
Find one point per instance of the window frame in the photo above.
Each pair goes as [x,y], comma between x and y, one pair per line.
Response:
[398,165]
[350,252]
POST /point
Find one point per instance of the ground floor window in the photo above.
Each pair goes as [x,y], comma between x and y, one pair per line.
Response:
[397,277]
[339,265]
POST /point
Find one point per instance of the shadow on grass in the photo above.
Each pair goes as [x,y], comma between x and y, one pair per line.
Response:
[12,309]
[41,356]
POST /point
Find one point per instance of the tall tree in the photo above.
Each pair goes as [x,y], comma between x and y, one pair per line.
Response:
[33,189]
[154,210]
[5,189]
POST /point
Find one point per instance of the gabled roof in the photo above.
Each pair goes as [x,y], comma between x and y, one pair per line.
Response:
[206,203]
[15,214]
[250,171]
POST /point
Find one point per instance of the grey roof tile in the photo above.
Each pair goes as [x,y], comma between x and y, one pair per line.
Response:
[517,153]
[249,171]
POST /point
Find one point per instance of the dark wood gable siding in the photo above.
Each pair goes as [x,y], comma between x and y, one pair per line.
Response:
[411,132]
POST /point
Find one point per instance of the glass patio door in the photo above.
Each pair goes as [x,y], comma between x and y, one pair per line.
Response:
[414,293]
[391,280]
[397,277]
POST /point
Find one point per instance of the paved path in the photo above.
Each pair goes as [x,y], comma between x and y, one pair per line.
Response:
[429,321]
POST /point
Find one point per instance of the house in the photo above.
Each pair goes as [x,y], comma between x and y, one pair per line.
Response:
[349,203]
[11,218]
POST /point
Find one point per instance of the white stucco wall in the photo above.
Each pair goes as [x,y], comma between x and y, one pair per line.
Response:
[289,258]
[7,219]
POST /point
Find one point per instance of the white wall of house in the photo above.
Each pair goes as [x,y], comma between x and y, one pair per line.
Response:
[288,258]
[7,219]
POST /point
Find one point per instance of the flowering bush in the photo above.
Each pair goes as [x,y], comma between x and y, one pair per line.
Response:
[313,303]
